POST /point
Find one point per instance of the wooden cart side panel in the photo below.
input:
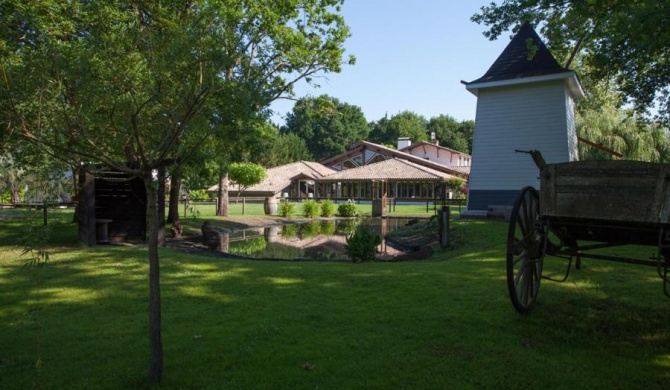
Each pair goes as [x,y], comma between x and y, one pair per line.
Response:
[606,190]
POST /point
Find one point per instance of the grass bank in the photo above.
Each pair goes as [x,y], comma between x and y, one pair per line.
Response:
[445,322]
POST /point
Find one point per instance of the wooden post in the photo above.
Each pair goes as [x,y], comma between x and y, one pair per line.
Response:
[443,226]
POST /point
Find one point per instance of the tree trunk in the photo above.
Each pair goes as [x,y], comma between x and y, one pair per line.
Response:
[155,342]
[222,209]
[16,195]
[161,205]
[175,190]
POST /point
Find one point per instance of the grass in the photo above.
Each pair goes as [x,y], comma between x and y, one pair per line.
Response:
[445,322]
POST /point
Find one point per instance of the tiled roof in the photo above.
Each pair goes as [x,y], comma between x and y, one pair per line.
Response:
[381,149]
[518,60]
[424,143]
[391,169]
[278,178]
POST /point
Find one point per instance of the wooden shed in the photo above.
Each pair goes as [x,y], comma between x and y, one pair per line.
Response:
[525,101]
[111,207]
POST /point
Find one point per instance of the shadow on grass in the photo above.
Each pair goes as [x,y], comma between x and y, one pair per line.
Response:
[254,324]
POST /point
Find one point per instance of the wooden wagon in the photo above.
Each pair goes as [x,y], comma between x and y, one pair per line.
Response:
[581,207]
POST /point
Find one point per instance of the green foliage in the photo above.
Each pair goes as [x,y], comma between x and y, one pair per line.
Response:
[247,247]
[327,208]
[451,133]
[327,228]
[404,124]
[347,226]
[327,125]
[633,59]
[310,208]
[198,194]
[286,209]
[454,184]
[606,311]
[621,132]
[347,209]
[246,174]
[310,229]
[362,245]
[290,230]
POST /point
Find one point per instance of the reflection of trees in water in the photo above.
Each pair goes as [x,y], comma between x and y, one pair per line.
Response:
[327,228]
[275,250]
[248,247]
[347,226]
[289,230]
[324,239]
[309,229]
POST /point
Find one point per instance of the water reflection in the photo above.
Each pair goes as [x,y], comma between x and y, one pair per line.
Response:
[321,240]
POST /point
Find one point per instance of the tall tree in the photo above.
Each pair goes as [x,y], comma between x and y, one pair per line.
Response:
[625,41]
[404,124]
[327,125]
[451,133]
[133,85]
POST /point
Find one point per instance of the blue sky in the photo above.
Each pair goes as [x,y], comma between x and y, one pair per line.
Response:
[410,56]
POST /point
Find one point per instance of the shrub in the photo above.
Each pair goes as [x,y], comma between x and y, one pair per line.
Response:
[347,210]
[310,208]
[198,194]
[286,209]
[362,245]
[327,208]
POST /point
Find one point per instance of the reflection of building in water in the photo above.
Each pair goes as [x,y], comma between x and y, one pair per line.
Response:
[317,240]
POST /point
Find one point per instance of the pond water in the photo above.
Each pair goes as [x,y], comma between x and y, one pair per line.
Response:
[321,240]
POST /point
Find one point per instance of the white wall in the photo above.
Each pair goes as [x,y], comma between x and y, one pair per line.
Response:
[524,117]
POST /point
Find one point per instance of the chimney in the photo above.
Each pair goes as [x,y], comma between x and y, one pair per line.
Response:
[433,139]
[404,142]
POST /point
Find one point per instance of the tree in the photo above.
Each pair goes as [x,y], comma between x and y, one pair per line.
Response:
[246,174]
[328,126]
[138,85]
[452,133]
[622,41]
[404,124]
[619,131]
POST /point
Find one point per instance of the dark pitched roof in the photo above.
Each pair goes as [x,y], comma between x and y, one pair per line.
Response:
[518,61]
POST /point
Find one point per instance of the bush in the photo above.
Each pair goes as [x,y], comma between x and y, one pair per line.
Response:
[327,208]
[310,208]
[347,210]
[286,209]
[198,194]
[362,245]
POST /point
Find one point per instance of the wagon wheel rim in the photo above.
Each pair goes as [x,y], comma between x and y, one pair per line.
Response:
[525,250]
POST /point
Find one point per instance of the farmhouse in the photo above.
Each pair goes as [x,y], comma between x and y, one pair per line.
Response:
[366,171]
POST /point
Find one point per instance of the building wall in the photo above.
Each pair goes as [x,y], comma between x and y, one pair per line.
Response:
[522,117]
[441,156]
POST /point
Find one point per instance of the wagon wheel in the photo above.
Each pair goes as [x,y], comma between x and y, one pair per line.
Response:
[525,250]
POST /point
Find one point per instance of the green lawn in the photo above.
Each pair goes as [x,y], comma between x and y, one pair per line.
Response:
[440,323]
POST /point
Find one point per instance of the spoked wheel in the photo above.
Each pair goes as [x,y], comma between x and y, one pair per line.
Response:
[525,250]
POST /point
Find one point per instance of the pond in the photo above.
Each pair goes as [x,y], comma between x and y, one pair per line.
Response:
[321,240]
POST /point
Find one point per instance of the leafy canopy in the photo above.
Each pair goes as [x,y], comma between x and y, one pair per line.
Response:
[328,126]
[626,42]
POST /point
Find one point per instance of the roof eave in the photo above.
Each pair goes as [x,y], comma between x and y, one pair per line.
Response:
[570,77]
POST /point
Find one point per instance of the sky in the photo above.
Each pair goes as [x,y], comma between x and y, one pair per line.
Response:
[409,56]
